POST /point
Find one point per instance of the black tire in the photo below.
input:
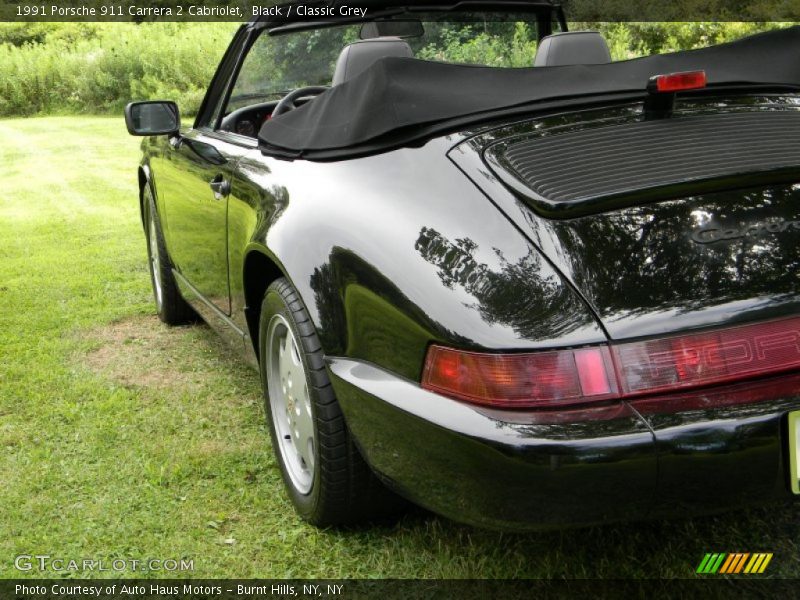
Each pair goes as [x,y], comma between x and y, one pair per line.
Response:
[171,308]
[343,489]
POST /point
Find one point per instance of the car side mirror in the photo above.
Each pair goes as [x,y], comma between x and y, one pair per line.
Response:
[154,117]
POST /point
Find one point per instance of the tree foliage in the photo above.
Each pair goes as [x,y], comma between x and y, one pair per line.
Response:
[66,68]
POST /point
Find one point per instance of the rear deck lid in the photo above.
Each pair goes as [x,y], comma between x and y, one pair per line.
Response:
[661,226]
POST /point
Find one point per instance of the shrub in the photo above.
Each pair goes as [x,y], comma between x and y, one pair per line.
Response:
[92,68]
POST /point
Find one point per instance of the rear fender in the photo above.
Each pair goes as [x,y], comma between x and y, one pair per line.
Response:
[392,252]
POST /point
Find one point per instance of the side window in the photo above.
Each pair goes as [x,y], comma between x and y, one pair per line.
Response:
[216,114]
[214,101]
[255,77]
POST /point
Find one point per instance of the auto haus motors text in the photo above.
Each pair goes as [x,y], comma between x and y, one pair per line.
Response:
[74,590]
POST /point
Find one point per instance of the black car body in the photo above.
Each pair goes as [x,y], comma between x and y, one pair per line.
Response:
[652,241]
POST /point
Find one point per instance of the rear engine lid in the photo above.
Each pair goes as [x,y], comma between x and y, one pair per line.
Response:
[701,229]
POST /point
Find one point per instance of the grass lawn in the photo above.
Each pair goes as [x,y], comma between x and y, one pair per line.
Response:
[122,438]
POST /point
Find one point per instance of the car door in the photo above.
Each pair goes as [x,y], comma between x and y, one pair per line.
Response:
[195,176]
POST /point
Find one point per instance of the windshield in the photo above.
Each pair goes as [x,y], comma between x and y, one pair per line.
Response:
[283,61]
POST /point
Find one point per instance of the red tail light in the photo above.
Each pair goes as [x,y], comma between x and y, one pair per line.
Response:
[677,82]
[516,380]
[567,377]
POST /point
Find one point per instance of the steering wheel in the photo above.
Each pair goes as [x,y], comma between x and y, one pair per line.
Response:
[287,103]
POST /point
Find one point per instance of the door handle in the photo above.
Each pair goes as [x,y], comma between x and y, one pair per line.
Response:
[220,187]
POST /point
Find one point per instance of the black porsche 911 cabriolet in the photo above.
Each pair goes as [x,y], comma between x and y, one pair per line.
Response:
[484,268]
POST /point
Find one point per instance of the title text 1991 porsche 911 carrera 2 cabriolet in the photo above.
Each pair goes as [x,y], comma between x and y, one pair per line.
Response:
[486,269]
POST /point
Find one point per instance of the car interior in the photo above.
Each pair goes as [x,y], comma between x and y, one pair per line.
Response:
[558,49]
[572,48]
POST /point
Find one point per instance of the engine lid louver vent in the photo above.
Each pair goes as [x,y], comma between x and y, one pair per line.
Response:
[582,171]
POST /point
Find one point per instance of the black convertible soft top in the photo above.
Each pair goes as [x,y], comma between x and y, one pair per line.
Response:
[401,101]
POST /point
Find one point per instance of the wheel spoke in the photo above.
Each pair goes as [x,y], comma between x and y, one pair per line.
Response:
[305,428]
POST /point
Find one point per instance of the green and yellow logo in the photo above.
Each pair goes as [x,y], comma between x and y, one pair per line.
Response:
[737,562]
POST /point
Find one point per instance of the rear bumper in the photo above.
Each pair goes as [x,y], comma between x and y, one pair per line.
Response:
[690,454]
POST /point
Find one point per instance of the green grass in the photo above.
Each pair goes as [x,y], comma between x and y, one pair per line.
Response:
[120,437]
